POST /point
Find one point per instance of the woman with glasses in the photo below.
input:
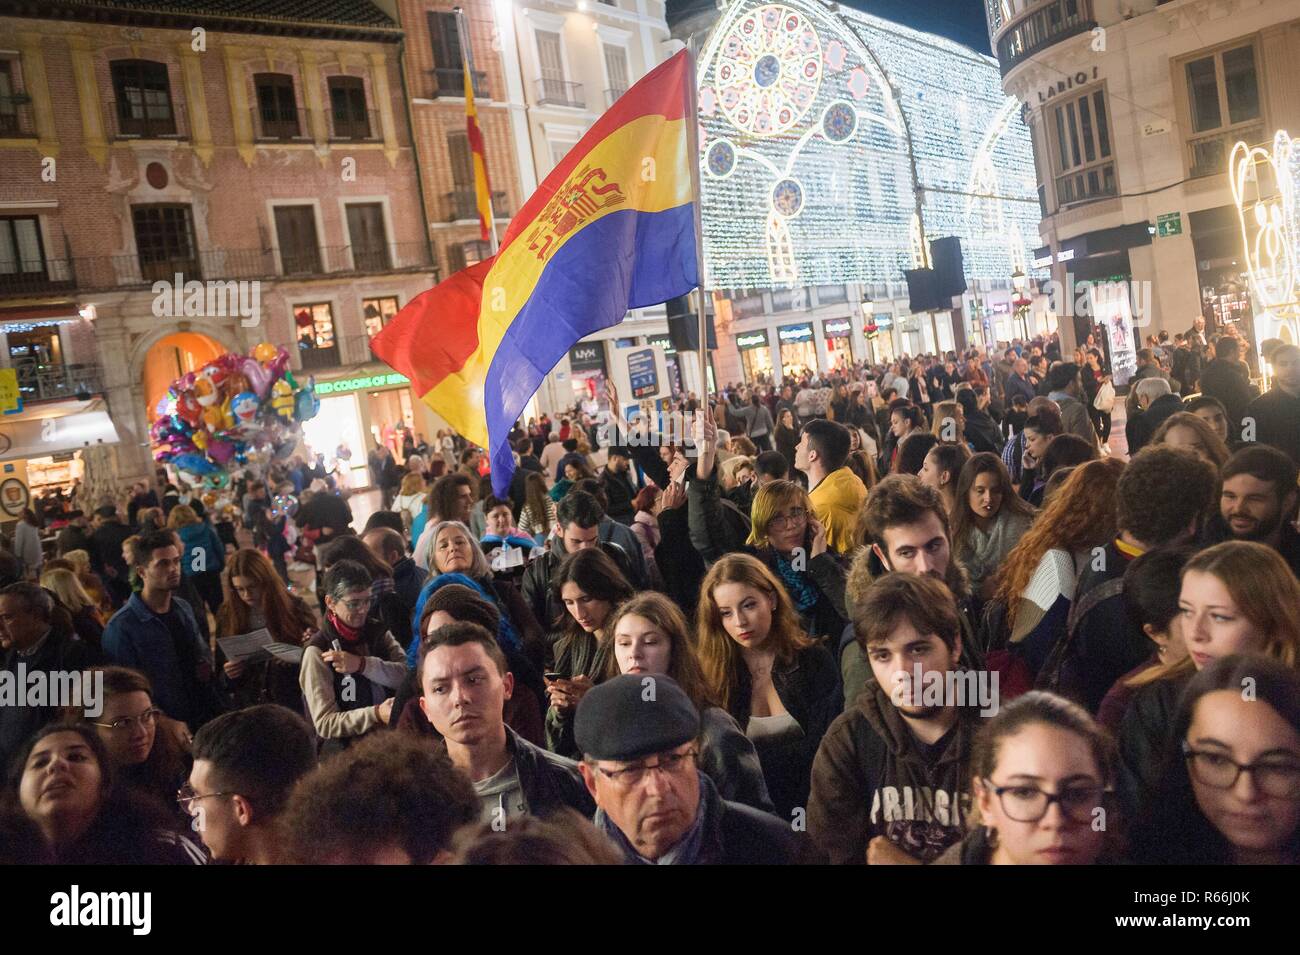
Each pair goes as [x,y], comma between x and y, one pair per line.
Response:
[254,597]
[147,750]
[387,603]
[1042,773]
[64,781]
[1235,597]
[650,635]
[786,537]
[350,666]
[780,686]
[1231,784]
[590,585]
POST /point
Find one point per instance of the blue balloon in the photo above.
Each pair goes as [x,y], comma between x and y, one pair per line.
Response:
[306,404]
[194,464]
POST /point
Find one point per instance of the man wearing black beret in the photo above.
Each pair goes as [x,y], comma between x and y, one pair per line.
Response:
[639,738]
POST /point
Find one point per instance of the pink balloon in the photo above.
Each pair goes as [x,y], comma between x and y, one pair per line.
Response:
[221,451]
[278,364]
[258,376]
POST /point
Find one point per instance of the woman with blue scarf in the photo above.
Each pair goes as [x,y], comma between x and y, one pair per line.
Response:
[786,536]
[453,552]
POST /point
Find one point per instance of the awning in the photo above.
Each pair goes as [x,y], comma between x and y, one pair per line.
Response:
[39,437]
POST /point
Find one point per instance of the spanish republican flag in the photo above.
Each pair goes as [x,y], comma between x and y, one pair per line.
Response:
[478,156]
[611,228]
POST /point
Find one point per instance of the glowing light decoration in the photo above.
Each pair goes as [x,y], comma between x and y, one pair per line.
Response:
[835,145]
[1265,183]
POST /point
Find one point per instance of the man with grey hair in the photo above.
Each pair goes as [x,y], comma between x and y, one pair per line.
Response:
[1155,402]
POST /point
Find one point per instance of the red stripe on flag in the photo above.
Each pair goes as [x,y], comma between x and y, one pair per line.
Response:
[437,331]
[476,148]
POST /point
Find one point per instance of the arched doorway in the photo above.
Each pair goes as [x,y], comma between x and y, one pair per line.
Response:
[171,357]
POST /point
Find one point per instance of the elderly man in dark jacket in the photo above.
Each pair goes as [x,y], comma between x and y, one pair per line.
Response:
[639,736]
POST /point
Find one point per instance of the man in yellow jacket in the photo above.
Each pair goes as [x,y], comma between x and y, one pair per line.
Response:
[835,491]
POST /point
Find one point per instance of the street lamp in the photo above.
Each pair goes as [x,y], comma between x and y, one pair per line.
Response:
[1021,302]
[869,327]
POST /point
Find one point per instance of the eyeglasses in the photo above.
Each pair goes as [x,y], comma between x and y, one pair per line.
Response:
[1030,804]
[187,797]
[148,718]
[361,603]
[669,763]
[1280,780]
[796,515]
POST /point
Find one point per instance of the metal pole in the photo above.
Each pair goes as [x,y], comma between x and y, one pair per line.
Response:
[693,161]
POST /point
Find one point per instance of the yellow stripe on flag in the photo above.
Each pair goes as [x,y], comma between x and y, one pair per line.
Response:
[646,159]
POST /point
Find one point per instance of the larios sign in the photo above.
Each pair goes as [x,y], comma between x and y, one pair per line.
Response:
[1081,78]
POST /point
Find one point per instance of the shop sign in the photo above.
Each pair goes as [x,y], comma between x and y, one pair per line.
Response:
[587,356]
[837,328]
[11,399]
[14,497]
[793,334]
[663,341]
[752,340]
[362,383]
[1171,223]
[884,319]
[1081,78]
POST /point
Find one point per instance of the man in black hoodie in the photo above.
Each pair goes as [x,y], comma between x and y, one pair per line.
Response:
[889,784]
[1227,378]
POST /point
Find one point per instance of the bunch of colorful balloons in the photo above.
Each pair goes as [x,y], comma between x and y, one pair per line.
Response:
[236,411]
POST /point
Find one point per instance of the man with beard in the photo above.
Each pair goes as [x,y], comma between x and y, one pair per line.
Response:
[1258,502]
[889,780]
[906,527]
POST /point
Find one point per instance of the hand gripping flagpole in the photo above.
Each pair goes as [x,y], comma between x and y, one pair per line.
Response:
[693,160]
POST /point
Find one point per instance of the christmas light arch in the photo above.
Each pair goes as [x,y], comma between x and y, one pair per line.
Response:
[826,135]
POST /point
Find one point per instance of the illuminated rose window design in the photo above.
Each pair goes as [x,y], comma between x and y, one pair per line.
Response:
[769,70]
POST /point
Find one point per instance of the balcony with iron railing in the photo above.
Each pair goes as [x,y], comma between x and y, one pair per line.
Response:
[1208,153]
[612,95]
[1080,185]
[281,125]
[462,204]
[108,272]
[1044,26]
[43,381]
[555,92]
[133,119]
[450,81]
[354,125]
[16,118]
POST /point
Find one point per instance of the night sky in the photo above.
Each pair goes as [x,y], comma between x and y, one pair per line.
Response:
[960,20]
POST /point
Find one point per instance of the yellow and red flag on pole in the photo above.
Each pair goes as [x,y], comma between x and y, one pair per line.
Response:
[611,228]
[478,155]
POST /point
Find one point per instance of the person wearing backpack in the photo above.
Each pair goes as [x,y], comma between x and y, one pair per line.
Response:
[1162,498]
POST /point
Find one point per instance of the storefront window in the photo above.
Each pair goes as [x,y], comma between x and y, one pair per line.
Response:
[755,355]
[798,351]
[839,344]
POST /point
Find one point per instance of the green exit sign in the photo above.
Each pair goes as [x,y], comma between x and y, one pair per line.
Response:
[1171,223]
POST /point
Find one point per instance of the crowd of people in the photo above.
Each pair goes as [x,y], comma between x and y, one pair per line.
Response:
[918,613]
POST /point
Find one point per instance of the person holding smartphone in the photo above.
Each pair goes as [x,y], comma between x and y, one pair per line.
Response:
[787,537]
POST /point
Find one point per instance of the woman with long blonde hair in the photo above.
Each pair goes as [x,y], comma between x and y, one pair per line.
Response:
[650,635]
[787,537]
[1236,597]
[1037,579]
[86,618]
[781,687]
